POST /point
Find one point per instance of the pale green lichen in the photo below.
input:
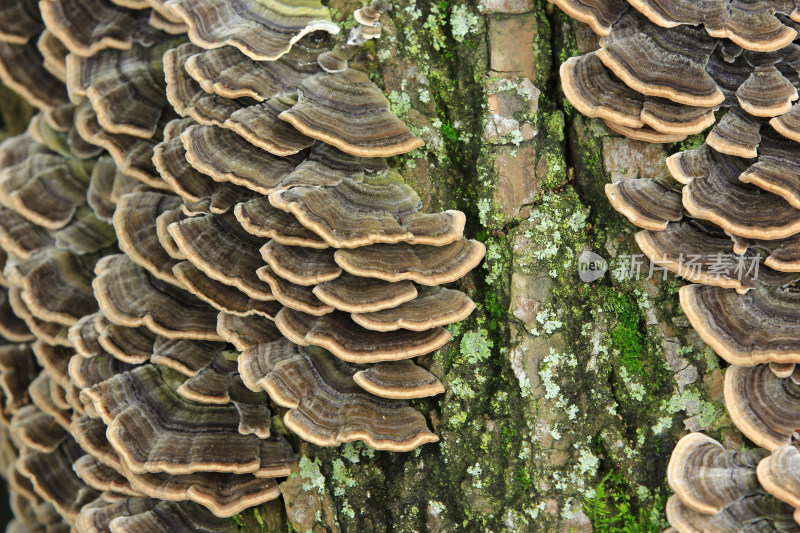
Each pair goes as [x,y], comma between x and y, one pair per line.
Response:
[476,347]
[341,477]
[463,22]
[310,472]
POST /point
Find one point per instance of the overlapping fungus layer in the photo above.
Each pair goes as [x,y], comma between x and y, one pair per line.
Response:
[197,227]
[727,220]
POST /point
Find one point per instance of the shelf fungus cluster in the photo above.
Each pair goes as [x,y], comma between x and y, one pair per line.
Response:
[198,231]
[727,220]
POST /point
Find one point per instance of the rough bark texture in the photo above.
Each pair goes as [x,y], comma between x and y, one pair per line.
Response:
[564,399]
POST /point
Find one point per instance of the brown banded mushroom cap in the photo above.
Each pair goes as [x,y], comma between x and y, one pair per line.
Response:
[221,296]
[690,164]
[17,371]
[755,26]
[600,15]
[325,111]
[291,295]
[85,372]
[762,405]
[88,26]
[782,254]
[239,162]
[186,95]
[212,384]
[380,209]
[228,73]
[258,217]
[169,158]
[426,265]
[56,285]
[106,186]
[738,208]
[756,510]
[162,228]
[50,332]
[41,392]
[596,92]
[223,494]
[54,480]
[244,332]
[20,21]
[788,124]
[36,430]
[665,63]
[167,22]
[347,340]
[645,133]
[370,15]
[777,169]
[745,329]
[133,155]
[402,380]
[300,265]
[326,166]
[124,87]
[102,477]
[54,55]
[20,237]
[85,234]
[153,439]
[129,345]
[778,474]
[671,13]
[54,359]
[737,134]
[12,327]
[263,30]
[699,252]
[261,127]
[648,203]
[22,69]
[433,307]
[326,406]
[135,224]
[210,242]
[45,189]
[707,477]
[177,517]
[185,356]
[129,296]
[364,295]
[766,93]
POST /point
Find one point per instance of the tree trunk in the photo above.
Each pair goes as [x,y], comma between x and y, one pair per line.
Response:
[564,398]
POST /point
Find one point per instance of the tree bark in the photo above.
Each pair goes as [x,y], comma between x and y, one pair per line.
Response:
[564,398]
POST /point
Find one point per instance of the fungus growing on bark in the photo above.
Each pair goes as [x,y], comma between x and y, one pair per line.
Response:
[762,405]
[323,112]
[305,379]
[129,296]
[708,478]
[263,30]
[134,345]
[402,380]
[339,334]
[745,329]
[379,209]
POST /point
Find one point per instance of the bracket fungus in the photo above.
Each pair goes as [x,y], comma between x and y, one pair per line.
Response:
[199,230]
[663,68]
